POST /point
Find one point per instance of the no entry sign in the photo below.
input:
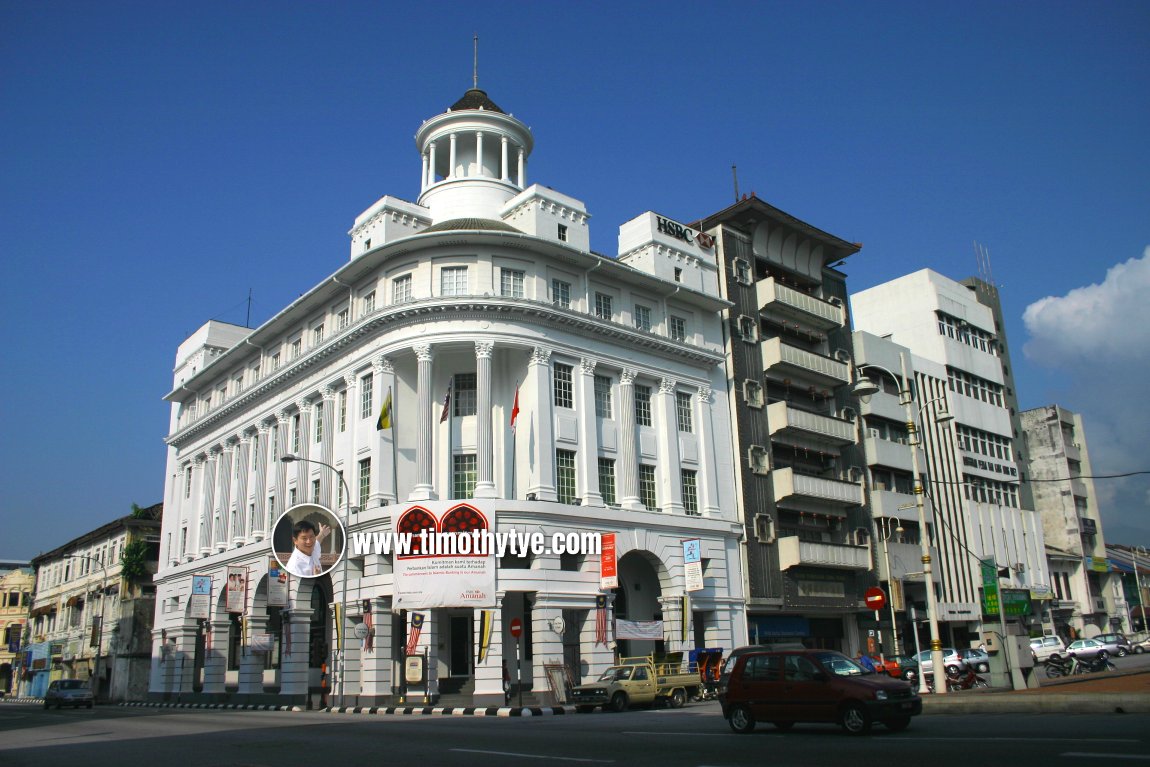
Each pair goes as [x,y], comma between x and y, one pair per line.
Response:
[516,627]
[875,598]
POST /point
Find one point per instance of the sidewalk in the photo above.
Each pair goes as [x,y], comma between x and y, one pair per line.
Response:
[1124,692]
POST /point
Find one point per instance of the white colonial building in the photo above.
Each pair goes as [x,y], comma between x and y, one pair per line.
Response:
[485,292]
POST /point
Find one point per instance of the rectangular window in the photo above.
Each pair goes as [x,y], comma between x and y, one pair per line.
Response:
[563,386]
[453,281]
[339,499]
[748,329]
[562,233]
[511,283]
[319,423]
[561,293]
[342,319]
[295,348]
[565,475]
[295,419]
[188,482]
[365,396]
[343,411]
[317,335]
[603,396]
[607,480]
[276,361]
[603,308]
[369,303]
[642,405]
[647,486]
[401,289]
[690,487]
[465,395]
[642,317]
[683,412]
[677,327]
[292,497]
[463,475]
[364,482]
[315,491]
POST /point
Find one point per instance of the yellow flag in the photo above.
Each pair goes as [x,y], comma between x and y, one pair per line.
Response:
[384,421]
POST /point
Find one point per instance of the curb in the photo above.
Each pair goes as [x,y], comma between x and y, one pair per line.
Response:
[500,711]
[21,700]
[1048,703]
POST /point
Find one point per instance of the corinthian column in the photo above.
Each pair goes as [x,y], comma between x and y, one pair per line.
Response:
[424,490]
[627,470]
[484,462]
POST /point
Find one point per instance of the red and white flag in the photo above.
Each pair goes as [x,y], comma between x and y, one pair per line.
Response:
[601,620]
[414,632]
[515,408]
[446,404]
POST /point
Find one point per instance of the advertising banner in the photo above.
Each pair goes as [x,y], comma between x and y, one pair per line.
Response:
[200,602]
[277,584]
[693,564]
[237,589]
[450,557]
[638,629]
[608,573]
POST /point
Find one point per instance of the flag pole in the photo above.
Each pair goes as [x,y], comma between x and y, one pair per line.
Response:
[394,442]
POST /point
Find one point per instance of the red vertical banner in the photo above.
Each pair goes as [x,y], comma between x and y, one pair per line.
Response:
[608,573]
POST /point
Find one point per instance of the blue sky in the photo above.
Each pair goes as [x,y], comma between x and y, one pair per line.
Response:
[162,159]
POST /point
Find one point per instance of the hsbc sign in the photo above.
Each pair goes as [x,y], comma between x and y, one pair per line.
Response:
[679,232]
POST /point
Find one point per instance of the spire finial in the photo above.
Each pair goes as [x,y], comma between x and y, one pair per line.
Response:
[475,69]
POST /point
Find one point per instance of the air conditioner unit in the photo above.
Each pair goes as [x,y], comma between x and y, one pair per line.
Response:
[764,528]
[872,433]
[1020,567]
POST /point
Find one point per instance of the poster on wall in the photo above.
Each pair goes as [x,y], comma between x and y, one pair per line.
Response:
[450,556]
[608,573]
[237,589]
[693,564]
[277,584]
[200,602]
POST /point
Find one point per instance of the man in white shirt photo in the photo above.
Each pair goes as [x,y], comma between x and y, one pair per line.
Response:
[305,560]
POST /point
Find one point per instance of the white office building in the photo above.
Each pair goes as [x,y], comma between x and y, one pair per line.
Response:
[483,293]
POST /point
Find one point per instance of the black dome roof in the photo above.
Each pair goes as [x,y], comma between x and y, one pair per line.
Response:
[475,99]
[471,224]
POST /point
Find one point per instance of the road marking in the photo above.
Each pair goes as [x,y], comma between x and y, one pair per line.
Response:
[1085,755]
[1023,740]
[532,756]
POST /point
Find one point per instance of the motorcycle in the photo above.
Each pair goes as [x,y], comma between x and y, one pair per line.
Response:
[964,679]
[1056,666]
[1100,662]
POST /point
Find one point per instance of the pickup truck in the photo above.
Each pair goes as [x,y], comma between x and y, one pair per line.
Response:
[636,681]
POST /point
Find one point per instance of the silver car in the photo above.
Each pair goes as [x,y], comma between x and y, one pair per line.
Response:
[1115,644]
[952,661]
[976,659]
[69,692]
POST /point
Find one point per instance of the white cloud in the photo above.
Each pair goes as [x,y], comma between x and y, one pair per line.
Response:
[1098,336]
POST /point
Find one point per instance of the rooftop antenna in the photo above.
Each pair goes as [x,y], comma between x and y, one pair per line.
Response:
[475,67]
[735,176]
[985,275]
[248,319]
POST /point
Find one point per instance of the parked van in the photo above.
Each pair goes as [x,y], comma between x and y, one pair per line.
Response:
[813,686]
[1046,647]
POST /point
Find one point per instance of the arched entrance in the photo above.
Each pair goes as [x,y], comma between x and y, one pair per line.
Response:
[638,599]
[316,594]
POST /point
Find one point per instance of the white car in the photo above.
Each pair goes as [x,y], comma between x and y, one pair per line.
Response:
[952,661]
[1046,647]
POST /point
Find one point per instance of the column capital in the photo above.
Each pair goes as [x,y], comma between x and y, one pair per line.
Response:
[303,404]
[328,394]
[587,365]
[423,352]
[540,356]
[198,461]
[283,418]
[263,426]
[382,364]
[627,376]
[667,385]
[483,349]
[349,380]
[704,395]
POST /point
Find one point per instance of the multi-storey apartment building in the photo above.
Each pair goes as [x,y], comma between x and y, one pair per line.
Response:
[474,360]
[92,609]
[1088,595]
[16,585]
[957,361]
[789,367]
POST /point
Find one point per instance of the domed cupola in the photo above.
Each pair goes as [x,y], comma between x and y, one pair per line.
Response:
[474,159]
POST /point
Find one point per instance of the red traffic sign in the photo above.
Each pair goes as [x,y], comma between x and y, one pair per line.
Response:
[516,627]
[875,598]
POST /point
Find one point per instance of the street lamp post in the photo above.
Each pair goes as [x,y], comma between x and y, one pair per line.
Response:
[864,388]
[1134,552]
[341,631]
[100,636]
[886,534]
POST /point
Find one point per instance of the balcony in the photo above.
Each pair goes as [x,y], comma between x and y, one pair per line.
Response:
[884,405]
[1073,453]
[791,362]
[798,306]
[894,455]
[904,558]
[835,431]
[886,503]
[794,552]
[803,492]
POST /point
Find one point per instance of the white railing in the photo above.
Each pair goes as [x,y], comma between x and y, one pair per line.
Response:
[793,552]
[770,291]
[781,416]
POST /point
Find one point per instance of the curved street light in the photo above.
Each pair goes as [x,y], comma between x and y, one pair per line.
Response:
[340,658]
[864,388]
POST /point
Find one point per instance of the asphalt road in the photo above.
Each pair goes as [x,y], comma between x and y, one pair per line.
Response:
[695,736]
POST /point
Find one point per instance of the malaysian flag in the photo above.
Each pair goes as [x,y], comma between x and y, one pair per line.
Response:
[369,638]
[601,620]
[414,632]
[446,404]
